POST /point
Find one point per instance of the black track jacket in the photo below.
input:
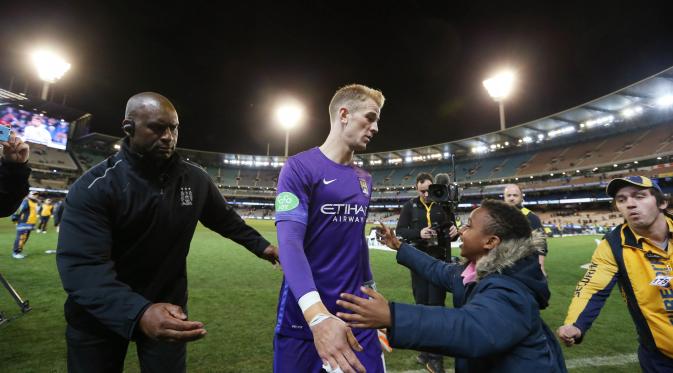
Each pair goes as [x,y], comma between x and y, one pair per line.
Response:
[125,235]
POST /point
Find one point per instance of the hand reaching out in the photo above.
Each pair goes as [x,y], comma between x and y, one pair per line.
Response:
[372,313]
[387,236]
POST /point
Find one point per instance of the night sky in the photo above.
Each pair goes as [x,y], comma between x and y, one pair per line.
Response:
[226,68]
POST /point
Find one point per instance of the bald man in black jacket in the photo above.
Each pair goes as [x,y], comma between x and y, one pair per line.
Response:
[125,234]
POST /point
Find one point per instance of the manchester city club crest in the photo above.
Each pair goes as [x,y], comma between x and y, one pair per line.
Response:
[185,196]
[364,187]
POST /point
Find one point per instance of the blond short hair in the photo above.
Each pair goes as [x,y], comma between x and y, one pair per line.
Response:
[353,95]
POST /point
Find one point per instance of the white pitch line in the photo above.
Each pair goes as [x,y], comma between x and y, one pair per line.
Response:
[596,361]
[599,361]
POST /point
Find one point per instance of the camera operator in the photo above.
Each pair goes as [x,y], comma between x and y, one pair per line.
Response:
[425,225]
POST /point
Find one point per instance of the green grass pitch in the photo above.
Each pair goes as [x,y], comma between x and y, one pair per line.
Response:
[235,295]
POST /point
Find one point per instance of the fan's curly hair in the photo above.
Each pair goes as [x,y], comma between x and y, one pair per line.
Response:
[507,221]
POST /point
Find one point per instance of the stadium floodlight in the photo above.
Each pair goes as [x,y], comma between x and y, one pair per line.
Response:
[499,88]
[561,131]
[665,101]
[288,116]
[605,121]
[479,149]
[50,68]
[631,111]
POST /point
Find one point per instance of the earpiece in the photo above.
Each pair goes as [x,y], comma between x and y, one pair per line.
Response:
[129,127]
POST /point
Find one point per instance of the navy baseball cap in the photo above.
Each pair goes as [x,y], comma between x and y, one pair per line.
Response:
[640,181]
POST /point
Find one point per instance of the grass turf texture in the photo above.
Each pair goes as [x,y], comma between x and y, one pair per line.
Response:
[235,295]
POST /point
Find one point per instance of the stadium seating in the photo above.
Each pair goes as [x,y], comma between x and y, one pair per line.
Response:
[509,166]
[584,217]
[88,158]
[255,213]
[654,141]
[479,169]
[50,158]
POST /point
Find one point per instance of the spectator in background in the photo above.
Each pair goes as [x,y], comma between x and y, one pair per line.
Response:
[25,218]
[513,195]
[418,224]
[58,213]
[46,210]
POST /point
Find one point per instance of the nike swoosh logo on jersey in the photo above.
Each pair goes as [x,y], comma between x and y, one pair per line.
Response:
[327,182]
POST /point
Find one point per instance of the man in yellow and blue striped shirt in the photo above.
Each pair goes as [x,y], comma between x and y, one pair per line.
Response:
[637,256]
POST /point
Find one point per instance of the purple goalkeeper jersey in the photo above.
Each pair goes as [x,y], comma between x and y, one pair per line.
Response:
[332,200]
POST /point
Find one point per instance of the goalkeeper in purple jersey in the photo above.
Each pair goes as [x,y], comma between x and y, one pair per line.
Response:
[321,212]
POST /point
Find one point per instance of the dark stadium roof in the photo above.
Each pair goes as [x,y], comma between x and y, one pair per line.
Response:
[607,113]
[7,97]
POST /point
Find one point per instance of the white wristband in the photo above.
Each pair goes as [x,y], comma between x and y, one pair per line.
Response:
[308,299]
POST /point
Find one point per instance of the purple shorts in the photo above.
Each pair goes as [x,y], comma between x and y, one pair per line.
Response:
[291,355]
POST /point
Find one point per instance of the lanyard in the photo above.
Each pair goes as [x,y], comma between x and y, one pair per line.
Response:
[427,211]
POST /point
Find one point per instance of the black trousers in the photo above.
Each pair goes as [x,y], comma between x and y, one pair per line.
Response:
[43,223]
[654,361]
[88,352]
[428,294]
[424,291]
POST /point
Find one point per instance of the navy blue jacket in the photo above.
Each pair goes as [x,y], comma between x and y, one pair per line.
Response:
[13,186]
[125,234]
[495,325]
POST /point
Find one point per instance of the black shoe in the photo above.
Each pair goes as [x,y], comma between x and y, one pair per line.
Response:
[435,366]
[422,358]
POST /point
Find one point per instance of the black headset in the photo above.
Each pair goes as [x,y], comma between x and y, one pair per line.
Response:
[129,127]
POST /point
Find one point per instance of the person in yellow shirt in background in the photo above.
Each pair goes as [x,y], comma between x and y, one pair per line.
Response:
[45,213]
[637,256]
[25,218]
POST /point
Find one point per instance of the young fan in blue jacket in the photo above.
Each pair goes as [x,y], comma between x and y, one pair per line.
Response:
[497,294]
